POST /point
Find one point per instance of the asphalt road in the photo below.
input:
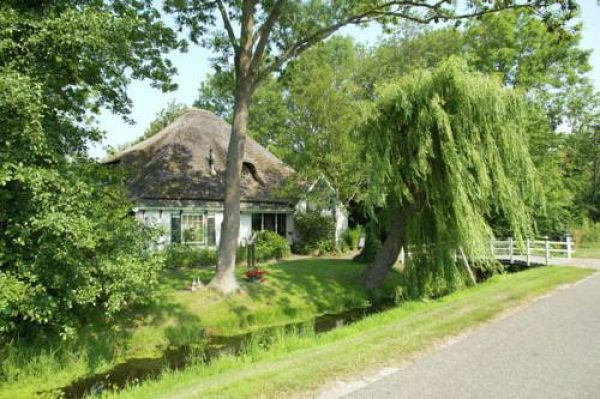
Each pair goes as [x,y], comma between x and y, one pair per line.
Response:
[551,349]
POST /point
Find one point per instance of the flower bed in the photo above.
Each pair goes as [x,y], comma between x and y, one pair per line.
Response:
[255,276]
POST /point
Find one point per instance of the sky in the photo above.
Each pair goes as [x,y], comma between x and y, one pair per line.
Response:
[194,66]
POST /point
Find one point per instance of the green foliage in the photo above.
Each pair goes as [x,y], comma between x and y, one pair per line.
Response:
[315,231]
[447,147]
[432,273]
[351,238]
[587,234]
[186,256]
[270,245]
[372,243]
[68,249]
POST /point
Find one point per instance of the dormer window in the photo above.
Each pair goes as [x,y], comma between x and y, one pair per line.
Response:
[211,162]
[250,169]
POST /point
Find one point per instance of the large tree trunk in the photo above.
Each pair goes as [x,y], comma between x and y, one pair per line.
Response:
[224,280]
[388,253]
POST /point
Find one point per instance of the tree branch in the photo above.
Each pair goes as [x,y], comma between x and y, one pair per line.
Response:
[228,26]
[380,12]
[264,32]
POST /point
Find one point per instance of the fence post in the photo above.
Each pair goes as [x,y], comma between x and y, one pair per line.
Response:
[528,246]
[511,249]
[492,247]
[569,245]
[547,247]
[402,255]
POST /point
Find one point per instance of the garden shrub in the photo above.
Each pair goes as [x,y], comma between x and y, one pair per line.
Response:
[315,231]
[68,249]
[270,245]
[181,256]
[350,238]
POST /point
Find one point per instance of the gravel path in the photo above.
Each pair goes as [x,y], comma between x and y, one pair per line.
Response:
[551,349]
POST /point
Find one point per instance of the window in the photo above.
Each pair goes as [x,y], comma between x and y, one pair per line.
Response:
[281,224]
[276,222]
[211,235]
[175,228]
[257,221]
[269,221]
[192,228]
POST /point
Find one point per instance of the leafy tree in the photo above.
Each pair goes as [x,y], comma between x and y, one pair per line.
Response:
[548,64]
[582,163]
[67,247]
[551,67]
[216,94]
[412,47]
[270,35]
[447,150]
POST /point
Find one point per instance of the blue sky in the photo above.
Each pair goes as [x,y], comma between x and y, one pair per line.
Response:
[194,65]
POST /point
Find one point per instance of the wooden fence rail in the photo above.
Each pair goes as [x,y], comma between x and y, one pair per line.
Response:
[511,249]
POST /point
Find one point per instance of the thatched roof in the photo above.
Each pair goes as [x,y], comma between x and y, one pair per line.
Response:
[175,164]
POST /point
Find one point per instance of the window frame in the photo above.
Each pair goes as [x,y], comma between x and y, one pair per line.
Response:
[203,222]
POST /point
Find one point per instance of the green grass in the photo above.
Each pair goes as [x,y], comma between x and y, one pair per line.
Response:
[296,291]
[295,364]
[588,251]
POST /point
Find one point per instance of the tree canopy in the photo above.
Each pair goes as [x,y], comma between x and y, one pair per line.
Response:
[447,149]
[67,248]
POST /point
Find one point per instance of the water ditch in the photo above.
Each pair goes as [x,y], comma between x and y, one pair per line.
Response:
[135,371]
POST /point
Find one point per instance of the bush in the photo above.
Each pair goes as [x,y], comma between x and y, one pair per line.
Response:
[181,255]
[270,245]
[316,233]
[588,233]
[69,251]
[350,238]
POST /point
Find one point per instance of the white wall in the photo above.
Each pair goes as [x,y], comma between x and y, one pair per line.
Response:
[218,222]
[155,219]
[290,233]
[341,222]
[245,227]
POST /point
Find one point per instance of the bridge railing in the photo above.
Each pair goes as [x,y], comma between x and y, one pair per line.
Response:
[528,248]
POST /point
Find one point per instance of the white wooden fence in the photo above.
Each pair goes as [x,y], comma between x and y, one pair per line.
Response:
[526,250]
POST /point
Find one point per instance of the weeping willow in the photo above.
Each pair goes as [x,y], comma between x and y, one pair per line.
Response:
[447,151]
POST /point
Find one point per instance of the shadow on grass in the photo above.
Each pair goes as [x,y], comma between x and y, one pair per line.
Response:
[322,285]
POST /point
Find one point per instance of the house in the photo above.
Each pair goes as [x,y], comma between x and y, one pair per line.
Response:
[177,182]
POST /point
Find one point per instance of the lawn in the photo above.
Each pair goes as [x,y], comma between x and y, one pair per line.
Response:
[297,365]
[295,291]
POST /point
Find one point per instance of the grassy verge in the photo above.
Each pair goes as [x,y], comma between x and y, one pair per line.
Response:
[296,291]
[588,251]
[294,364]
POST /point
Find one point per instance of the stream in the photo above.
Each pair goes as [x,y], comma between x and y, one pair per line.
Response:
[134,371]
